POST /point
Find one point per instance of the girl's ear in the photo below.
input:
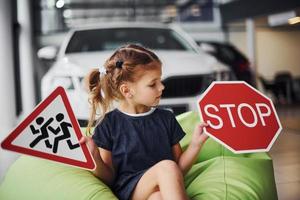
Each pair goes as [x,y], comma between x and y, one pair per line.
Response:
[125,90]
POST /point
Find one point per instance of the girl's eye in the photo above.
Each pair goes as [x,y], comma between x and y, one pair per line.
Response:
[152,85]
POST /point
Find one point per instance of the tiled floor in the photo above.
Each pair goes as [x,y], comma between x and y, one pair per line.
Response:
[286,154]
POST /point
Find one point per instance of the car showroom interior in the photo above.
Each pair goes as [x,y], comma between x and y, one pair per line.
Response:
[50,44]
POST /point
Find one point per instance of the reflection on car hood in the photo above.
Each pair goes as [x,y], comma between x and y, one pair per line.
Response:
[174,62]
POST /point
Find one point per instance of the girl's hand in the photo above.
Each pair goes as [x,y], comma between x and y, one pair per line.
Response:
[199,137]
[91,146]
[102,171]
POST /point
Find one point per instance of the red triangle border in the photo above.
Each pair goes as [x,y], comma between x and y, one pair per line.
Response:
[7,143]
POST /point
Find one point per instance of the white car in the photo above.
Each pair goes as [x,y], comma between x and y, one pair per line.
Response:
[187,71]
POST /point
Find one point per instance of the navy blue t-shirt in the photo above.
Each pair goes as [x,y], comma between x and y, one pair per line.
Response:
[137,143]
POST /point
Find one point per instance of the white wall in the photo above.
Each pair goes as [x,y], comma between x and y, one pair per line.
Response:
[276,50]
[8,118]
[7,100]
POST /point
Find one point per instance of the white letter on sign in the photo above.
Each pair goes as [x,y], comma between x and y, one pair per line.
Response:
[228,106]
[241,117]
[262,115]
[220,125]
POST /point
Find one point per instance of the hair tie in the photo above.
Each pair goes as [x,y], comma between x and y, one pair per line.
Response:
[119,64]
[102,70]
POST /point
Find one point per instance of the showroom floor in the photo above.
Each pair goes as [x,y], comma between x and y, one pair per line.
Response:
[286,153]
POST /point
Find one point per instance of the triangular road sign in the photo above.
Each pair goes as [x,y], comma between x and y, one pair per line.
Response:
[51,132]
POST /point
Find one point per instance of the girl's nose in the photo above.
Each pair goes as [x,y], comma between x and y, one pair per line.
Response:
[162,87]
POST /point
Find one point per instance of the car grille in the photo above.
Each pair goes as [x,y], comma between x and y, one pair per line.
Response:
[185,86]
[177,109]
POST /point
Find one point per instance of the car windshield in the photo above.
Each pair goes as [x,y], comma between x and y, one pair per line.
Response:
[110,39]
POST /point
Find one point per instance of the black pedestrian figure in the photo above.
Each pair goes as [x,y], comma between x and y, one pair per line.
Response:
[43,130]
[66,133]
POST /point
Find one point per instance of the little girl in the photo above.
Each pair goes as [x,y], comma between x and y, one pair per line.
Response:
[136,146]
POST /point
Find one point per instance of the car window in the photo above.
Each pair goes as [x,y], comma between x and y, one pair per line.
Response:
[110,39]
[227,53]
[230,53]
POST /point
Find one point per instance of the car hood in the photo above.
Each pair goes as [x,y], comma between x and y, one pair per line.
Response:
[174,63]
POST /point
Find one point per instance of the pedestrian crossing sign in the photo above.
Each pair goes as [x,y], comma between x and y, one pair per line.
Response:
[51,132]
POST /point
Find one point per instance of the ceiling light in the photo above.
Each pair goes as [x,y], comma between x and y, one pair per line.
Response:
[281,18]
[60,4]
[294,20]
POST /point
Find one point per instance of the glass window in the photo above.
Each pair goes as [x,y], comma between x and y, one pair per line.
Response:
[110,39]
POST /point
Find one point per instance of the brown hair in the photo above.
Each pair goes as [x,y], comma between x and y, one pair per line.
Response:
[124,65]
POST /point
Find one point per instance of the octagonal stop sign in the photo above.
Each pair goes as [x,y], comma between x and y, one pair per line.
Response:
[239,116]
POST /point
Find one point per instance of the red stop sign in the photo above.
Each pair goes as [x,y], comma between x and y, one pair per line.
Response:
[239,116]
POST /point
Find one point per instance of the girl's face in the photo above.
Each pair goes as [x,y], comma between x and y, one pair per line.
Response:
[147,90]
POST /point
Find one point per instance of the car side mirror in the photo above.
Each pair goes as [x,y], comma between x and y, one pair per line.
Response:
[47,53]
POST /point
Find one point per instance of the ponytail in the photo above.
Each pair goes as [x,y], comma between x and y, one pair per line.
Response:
[99,105]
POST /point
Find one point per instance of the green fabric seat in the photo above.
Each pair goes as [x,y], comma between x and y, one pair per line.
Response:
[217,174]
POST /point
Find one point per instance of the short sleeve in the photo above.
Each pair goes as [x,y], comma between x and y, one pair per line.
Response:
[102,135]
[176,131]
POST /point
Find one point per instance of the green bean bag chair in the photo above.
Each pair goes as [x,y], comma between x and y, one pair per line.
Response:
[217,174]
